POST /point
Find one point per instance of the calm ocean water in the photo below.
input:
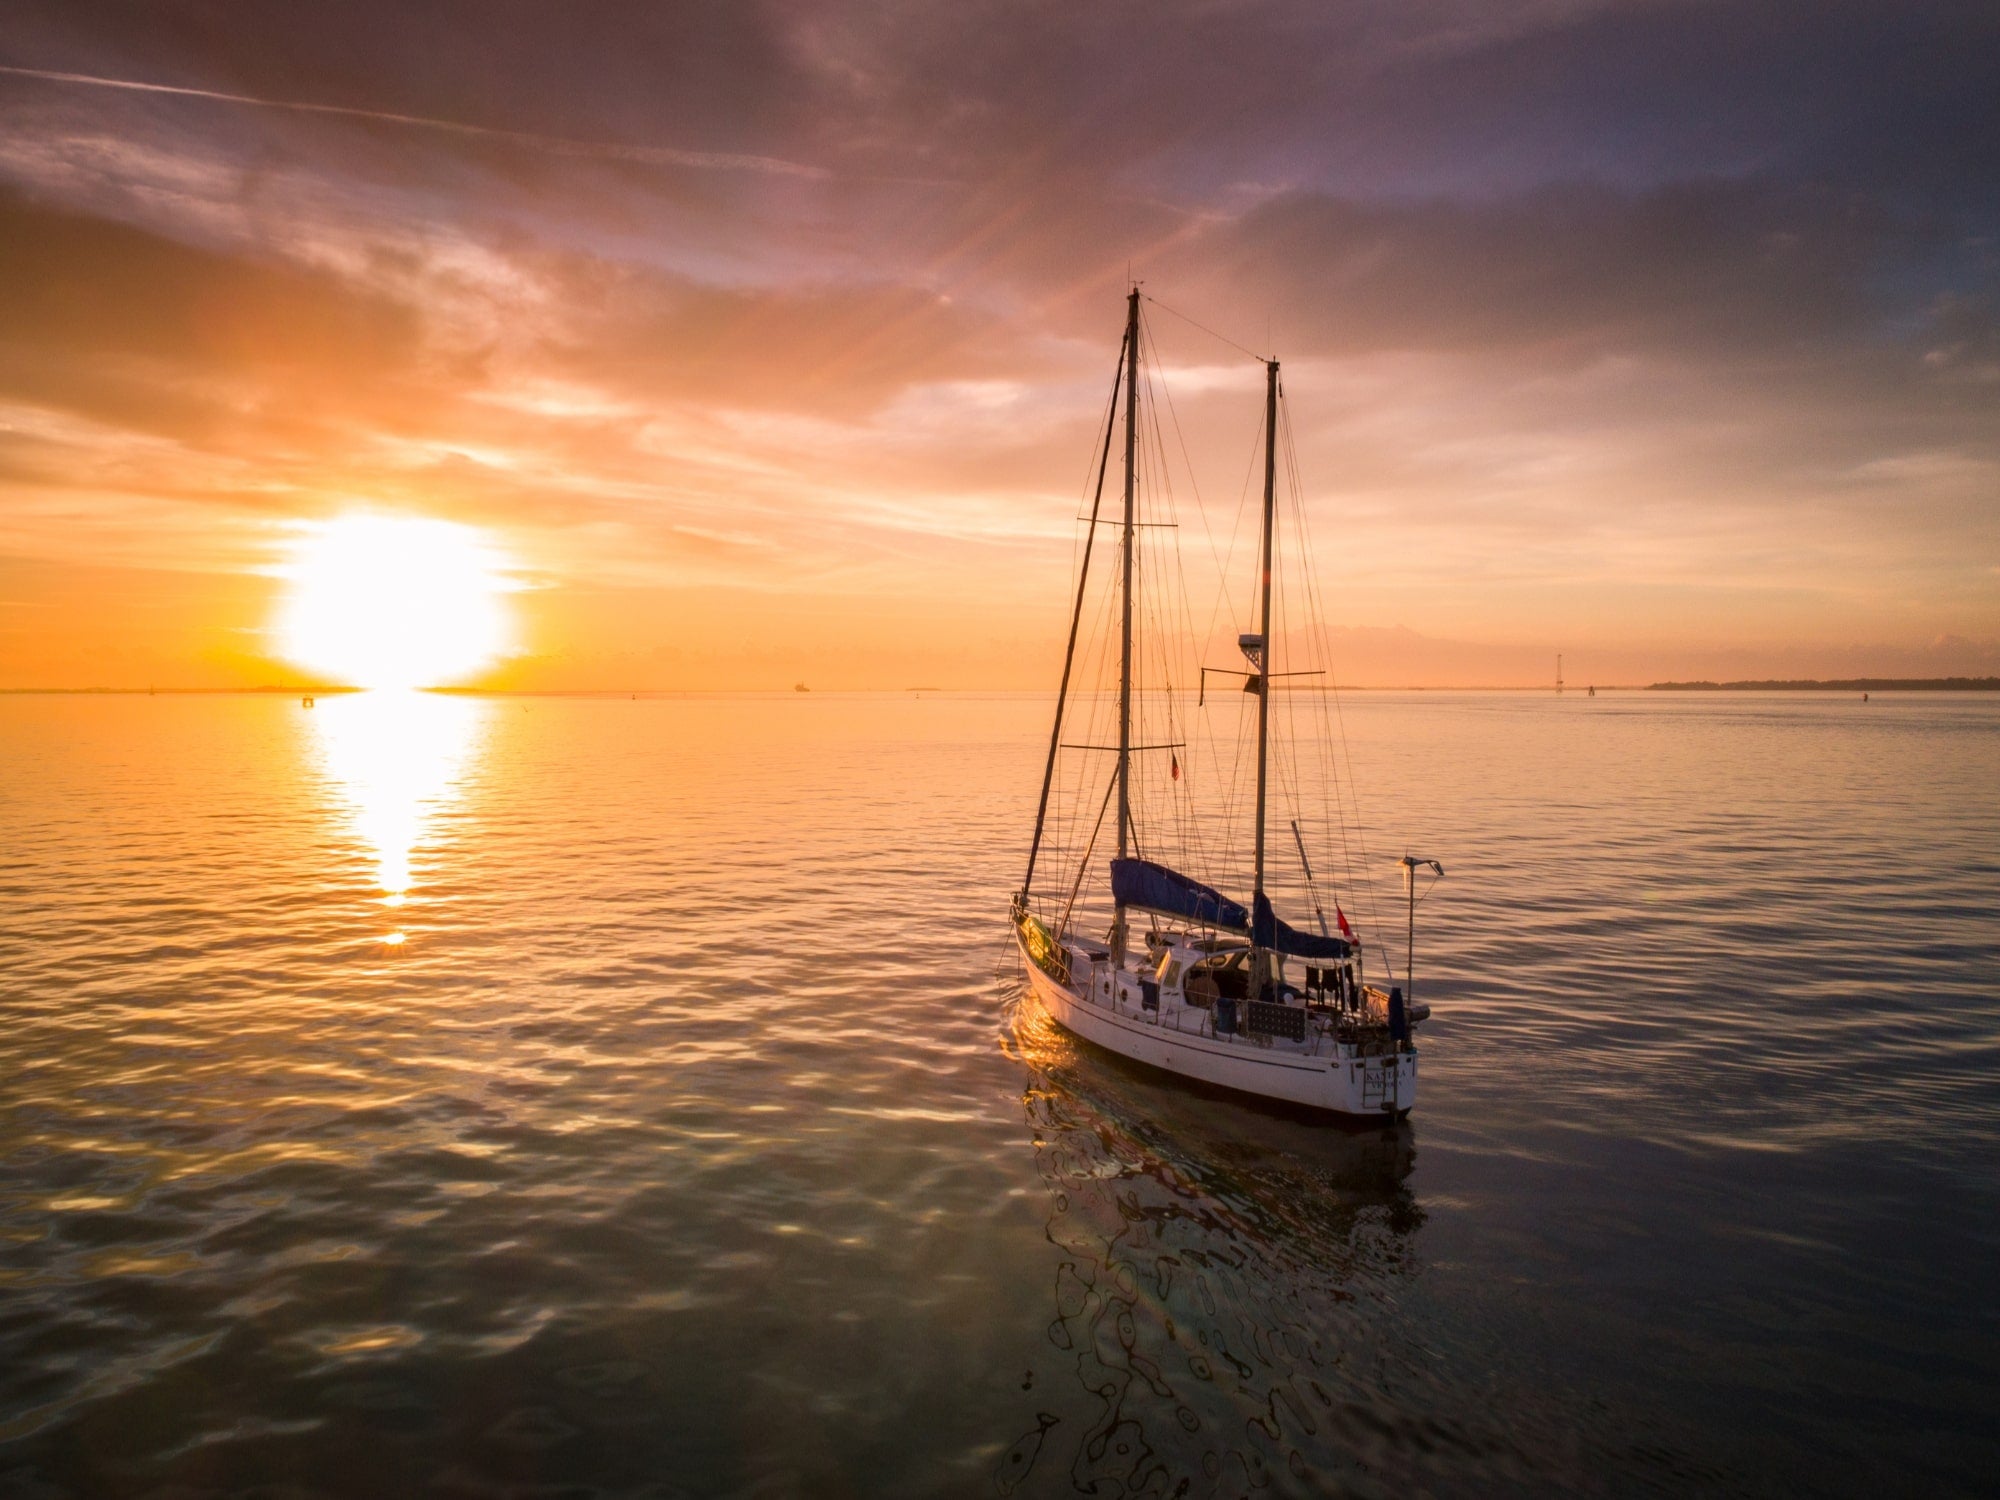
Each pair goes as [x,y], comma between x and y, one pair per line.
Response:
[694,1140]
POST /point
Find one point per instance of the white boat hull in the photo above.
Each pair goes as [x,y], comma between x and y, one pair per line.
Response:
[1327,1077]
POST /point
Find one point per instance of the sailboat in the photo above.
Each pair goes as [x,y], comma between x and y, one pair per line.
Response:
[1209,988]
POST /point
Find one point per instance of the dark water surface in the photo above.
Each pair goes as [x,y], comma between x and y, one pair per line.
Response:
[693,1141]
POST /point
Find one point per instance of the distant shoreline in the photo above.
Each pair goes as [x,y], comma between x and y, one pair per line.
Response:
[181,692]
[1840,685]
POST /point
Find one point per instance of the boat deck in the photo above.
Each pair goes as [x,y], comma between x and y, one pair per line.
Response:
[1161,988]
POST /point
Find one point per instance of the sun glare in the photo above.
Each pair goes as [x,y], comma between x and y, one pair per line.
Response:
[394,602]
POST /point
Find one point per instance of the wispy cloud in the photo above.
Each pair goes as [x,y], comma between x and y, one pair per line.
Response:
[655,156]
[1613,325]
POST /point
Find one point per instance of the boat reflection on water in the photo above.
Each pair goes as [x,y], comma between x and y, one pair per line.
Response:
[398,760]
[1220,1266]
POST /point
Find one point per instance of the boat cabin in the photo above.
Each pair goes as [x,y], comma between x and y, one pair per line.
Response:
[1201,982]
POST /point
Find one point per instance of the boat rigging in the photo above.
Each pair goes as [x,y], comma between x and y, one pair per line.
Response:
[1211,989]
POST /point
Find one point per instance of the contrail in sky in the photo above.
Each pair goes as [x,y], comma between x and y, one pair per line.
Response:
[658,156]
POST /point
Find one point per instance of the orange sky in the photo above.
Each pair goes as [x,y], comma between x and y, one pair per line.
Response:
[770,347]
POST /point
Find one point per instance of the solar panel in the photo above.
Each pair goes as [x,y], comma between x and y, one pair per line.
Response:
[1287,1021]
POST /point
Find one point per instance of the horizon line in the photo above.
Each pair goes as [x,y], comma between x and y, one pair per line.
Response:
[1886,685]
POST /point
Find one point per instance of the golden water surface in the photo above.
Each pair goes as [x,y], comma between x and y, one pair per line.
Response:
[426,1094]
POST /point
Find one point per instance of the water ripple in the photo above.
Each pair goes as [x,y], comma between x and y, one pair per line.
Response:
[694,1138]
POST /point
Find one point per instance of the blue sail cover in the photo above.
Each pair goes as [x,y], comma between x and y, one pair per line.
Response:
[1140,882]
[1269,932]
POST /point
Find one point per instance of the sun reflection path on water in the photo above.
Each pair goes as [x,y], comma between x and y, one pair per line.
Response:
[398,760]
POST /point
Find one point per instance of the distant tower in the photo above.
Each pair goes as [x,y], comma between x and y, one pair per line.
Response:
[1559,674]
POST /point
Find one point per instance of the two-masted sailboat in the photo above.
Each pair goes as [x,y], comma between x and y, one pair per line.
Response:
[1208,988]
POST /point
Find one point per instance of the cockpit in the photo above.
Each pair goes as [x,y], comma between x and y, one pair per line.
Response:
[1201,970]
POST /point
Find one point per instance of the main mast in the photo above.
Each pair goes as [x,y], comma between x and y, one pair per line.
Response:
[1125,627]
[1264,663]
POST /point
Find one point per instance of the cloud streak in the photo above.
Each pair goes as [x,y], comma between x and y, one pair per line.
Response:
[652,156]
[1609,325]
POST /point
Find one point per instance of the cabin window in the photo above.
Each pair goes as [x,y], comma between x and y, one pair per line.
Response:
[1222,974]
[1170,972]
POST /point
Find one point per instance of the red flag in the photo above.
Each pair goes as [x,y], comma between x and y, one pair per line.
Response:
[1177,764]
[1341,917]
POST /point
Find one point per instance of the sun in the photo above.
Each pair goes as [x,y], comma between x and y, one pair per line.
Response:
[385,601]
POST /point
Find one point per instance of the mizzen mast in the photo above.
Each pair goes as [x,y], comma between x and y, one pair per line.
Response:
[1262,661]
[1125,626]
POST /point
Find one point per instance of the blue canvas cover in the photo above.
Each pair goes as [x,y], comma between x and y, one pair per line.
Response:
[1269,932]
[1140,882]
